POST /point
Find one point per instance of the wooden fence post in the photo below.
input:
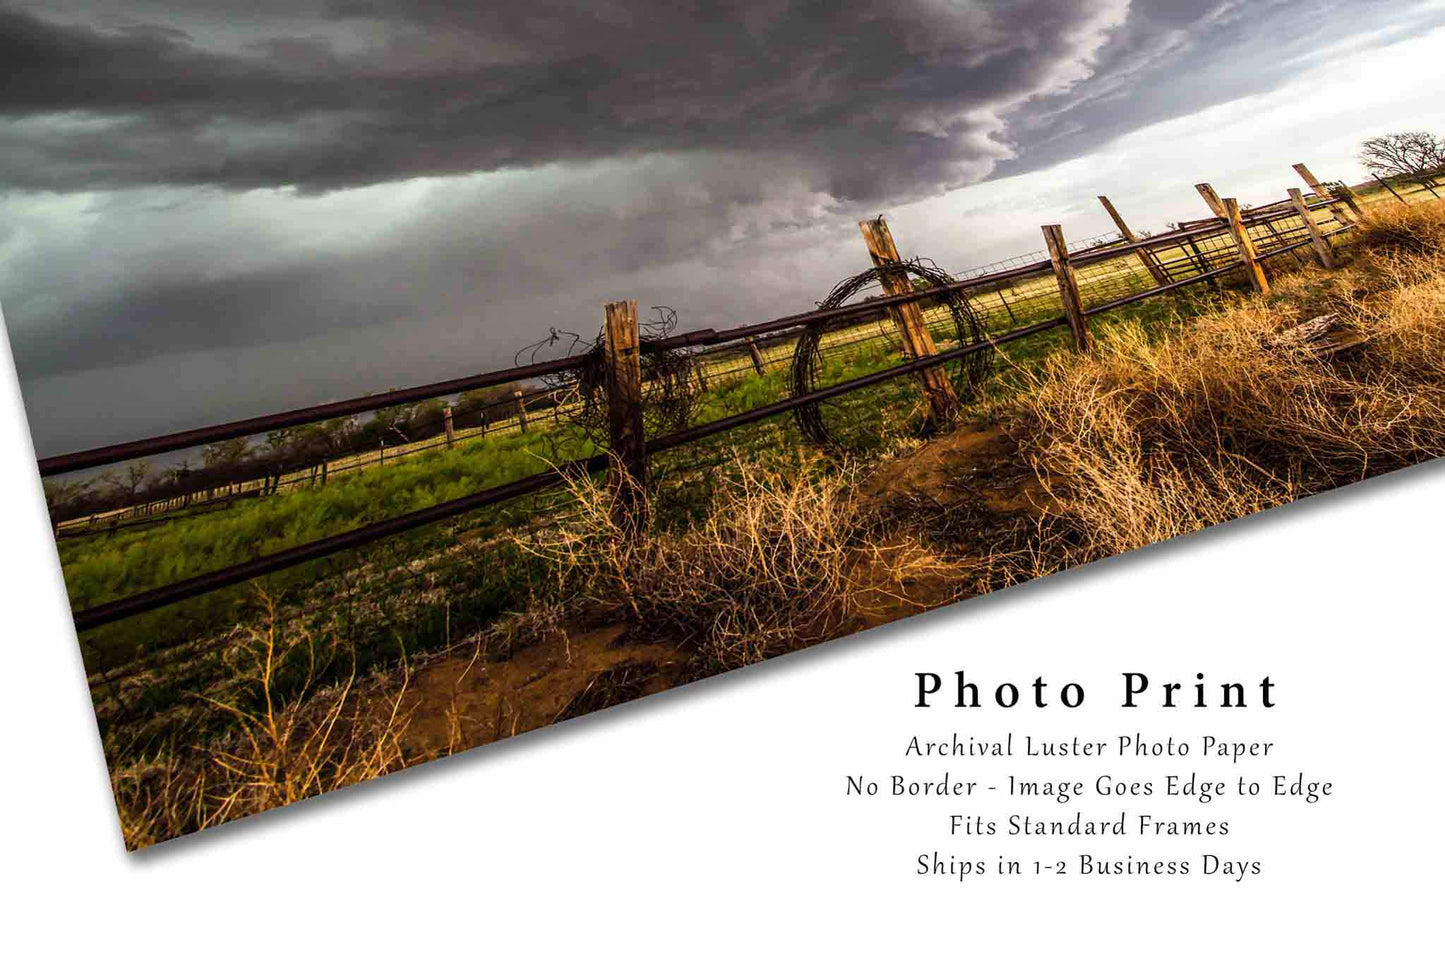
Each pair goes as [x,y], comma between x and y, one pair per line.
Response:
[1321,244]
[1245,246]
[699,366]
[447,427]
[521,409]
[1211,198]
[624,407]
[1146,257]
[1068,286]
[1216,204]
[909,318]
[1340,211]
[757,357]
[1354,204]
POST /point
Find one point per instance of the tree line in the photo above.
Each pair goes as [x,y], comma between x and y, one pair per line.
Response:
[1404,155]
[1407,155]
[235,461]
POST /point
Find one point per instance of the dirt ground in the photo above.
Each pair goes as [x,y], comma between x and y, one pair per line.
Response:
[969,482]
[468,700]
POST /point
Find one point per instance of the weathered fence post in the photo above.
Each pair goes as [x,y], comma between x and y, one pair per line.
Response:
[1068,286]
[447,427]
[1211,198]
[1344,215]
[757,357]
[1318,241]
[1146,257]
[323,472]
[1216,204]
[1354,205]
[699,366]
[624,408]
[521,409]
[909,317]
[1245,246]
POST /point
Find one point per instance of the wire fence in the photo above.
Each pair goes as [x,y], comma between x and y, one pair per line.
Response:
[744,395]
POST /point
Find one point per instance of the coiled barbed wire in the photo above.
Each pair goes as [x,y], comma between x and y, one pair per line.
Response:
[807,372]
[670,383]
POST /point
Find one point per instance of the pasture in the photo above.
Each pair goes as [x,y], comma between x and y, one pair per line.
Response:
[755,540]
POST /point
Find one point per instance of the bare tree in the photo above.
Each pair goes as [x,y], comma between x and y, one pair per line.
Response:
[482,405]
[335,434]
[1407,153]
[136,476]
[179,477]
[66,496]
[110,486]
[121,490]
[389,424]
[226,455]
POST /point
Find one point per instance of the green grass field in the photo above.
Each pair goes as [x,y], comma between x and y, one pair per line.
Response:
[101,568]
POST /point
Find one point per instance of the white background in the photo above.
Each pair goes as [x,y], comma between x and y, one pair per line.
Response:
[711,821]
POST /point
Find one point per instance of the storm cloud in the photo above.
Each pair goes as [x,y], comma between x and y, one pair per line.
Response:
[432,182]
[875,99]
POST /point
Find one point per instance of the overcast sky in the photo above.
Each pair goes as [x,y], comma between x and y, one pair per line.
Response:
[211,209]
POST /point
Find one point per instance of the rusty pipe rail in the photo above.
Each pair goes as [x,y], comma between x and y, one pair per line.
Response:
[159,597]
[153,599]
[124,452]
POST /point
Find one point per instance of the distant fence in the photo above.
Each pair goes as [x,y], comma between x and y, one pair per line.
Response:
[518,412]
[1061,287]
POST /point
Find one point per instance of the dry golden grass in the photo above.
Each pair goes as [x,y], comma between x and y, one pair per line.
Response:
[1392,229]
[1142,440]
[771,568]
[314,742]
[1148,439]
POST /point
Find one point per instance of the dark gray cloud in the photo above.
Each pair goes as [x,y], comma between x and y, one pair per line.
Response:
[414,188]
[170,272]
[876,99]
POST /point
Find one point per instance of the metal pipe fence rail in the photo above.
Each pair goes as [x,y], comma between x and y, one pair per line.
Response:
[531,408]
[1211,237]
[1209,251]
[109,454]
[244,572]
